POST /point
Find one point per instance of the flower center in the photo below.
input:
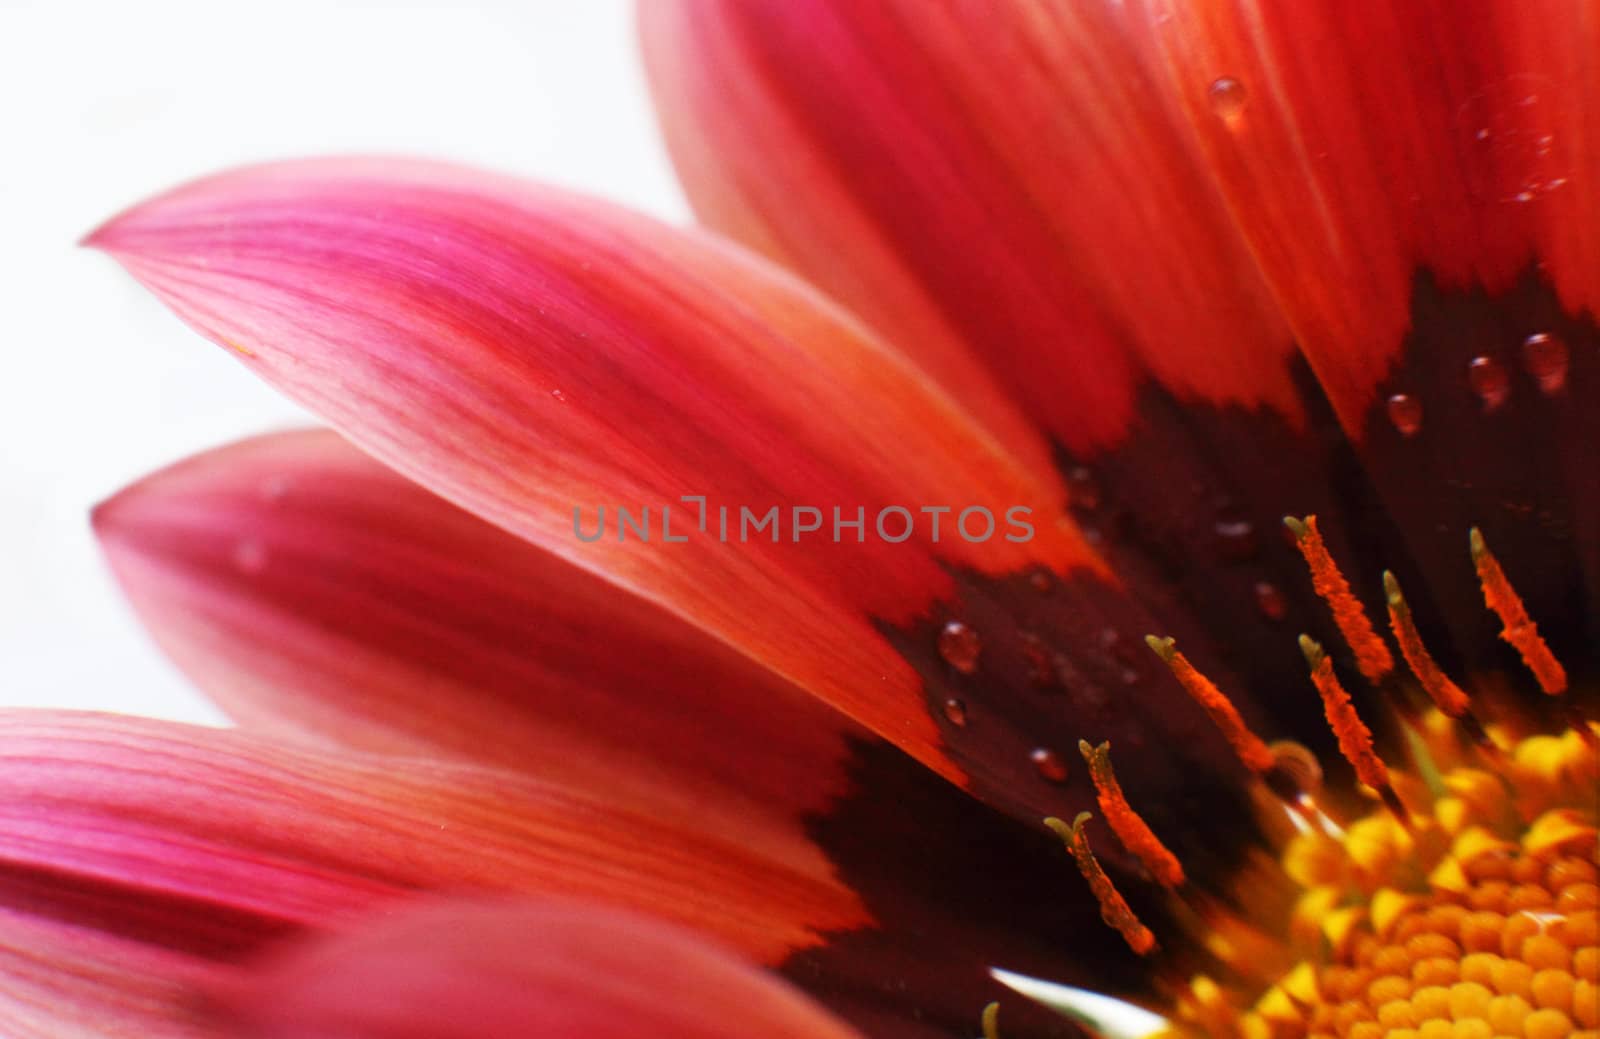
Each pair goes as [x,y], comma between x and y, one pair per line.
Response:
[1459,901]
[1475,918]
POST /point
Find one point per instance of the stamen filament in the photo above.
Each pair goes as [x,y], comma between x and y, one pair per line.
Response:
[1254,753]
[1372,655]
[1130,828]
[1445,694]
[1355,739]
[991,1021]
[1114,909]
[1519,628]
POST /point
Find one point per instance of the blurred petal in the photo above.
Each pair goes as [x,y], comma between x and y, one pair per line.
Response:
[71,982]
[138,858]
[510,970]
[209,842]
[376,615]
[525,353]
[308,589]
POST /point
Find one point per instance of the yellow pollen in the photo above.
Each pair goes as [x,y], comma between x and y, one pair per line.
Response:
[1372,655]
[1130,828]
[1471,923]
[1469,910]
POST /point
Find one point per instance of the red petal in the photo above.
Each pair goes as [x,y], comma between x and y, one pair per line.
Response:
[1418,182]
[489,970]
[1377,140]
[307,588]
[525,353]
[1003,175]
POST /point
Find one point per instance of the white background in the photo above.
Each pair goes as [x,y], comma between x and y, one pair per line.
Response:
[104,103]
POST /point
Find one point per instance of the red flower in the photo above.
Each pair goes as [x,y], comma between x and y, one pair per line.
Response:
[1158,274]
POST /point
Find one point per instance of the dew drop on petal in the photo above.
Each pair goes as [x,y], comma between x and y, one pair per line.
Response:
[1270,601]
[250,556]
[959,646]
[1083,490]
[1545,357]
[1236,536]
[1041,581]
[1405,414]
[1049,764]
[955,711]
[1227,96]
[1489,381]
[1041,672]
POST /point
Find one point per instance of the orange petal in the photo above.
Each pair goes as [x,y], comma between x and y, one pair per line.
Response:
[1371,143]
[506,970]
[534,357]
[1002,181]
[1021,175]
[1418,184]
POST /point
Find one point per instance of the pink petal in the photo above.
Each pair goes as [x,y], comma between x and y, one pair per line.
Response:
[524,353]
[489,970]
[211,842]
[309,589]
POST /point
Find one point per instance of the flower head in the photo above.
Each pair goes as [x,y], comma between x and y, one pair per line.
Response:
[1108,290]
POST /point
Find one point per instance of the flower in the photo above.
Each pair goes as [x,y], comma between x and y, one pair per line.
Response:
[1158,274]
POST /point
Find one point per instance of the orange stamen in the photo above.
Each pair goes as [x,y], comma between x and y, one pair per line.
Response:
[1114,909]
[1130,828]
[1446,695]
[1255,754]
[1355,739]
[1519,628]
[1372,655]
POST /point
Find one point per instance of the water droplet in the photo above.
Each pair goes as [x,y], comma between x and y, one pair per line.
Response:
[1545,357]
[273,488]
[1130,676]
[959,646]
[1083,490]
[1228,97]
[1236,536]
[560,395]
[1040,672]
[1049,764]
[955,711]
[1270,601]
[250,556]
[1042,581]
[1405,414]
[1489,381]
